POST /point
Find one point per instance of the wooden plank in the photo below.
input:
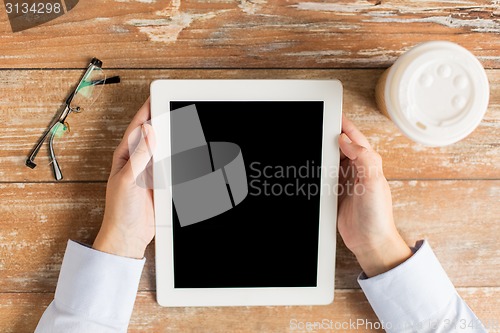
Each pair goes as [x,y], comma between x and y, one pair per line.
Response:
[19,313]
[431,210]
[32,98]
[250,34]
[459,218]
[36,222]
[348,304]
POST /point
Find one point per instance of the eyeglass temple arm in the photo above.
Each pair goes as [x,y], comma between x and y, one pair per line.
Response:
[31,157]
[109,80]
[30,161]
[55,166]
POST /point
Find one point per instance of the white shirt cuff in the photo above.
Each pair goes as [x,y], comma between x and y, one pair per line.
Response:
[410,293]
[99,286]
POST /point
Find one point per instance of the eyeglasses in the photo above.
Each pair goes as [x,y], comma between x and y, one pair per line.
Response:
[80,99]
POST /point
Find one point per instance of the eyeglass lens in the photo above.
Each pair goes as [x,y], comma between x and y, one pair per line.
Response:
[88,90]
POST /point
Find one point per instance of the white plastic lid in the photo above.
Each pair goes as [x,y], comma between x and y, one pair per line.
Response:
[437,93]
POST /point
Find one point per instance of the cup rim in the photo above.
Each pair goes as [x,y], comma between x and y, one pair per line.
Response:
[434,135]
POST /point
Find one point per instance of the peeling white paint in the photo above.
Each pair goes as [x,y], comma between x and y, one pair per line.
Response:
[324,53]
[325,57]
[387,9]
[404,204]
[333,7]
[20,281]
[382,13]
[395,184]
[163,30]
[375,60]
[346,26]
[118,29]
[387,13]
[494,192]
[418,147]
[477,25]
[251,6]
[16,245]
[373,52]
[172,21]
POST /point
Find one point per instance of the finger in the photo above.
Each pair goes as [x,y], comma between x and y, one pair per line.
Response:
[122,153]
[350,149]
[142,154]
[132,134]
[367,162]
[143,115]
[354,133]
[342,155]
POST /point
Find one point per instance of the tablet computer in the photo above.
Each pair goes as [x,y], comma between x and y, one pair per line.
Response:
[245,191]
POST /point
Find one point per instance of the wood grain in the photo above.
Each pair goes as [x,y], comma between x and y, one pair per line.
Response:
[38,219]
[448,195]
[250,34]
[459,219]
[85,153]
[20,312]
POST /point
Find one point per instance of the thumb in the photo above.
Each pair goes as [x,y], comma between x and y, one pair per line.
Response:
[350,149]
[368,163]
[142,154]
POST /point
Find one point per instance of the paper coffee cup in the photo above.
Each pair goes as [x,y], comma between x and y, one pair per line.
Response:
[436,93]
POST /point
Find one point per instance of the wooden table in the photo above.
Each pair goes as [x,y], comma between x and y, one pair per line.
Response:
[448,195]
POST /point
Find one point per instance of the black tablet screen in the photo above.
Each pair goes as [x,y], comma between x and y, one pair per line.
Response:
[270,237]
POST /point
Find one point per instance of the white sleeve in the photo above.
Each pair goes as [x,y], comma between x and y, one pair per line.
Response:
[418,296]
[95,293]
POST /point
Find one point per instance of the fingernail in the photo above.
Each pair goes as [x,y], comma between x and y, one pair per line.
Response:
[345,138]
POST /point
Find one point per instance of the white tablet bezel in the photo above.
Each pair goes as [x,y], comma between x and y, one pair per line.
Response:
[328,91]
